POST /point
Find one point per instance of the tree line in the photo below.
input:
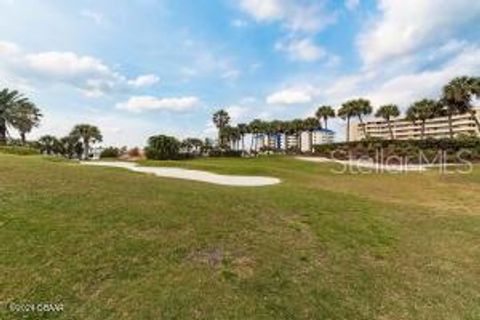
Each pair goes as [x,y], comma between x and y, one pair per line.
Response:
[21,114]
[234,136]
[456,98]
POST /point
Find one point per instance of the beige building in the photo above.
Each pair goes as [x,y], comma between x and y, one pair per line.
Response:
[404,129]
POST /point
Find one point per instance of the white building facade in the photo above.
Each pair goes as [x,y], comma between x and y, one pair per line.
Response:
[305,141]
[403,129]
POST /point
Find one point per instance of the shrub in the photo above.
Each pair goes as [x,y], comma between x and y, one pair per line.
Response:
[413,150]
[217,153]
[110,152]
[163,147]
[21,151]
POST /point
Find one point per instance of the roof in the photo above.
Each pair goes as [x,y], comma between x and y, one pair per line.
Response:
[325,130]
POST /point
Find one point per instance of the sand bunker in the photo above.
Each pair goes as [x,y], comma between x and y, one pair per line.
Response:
[197,175]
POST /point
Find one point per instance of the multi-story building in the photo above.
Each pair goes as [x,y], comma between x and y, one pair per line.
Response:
[289,141]
[404,129]
[319,136]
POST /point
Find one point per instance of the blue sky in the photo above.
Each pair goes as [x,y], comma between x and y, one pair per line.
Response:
[137,68]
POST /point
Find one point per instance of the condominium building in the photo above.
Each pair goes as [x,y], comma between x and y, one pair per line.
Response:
[404,129]
[288,141]
[319,136]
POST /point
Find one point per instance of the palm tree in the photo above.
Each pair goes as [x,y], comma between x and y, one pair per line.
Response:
[361,107]
[49,145]
[346,112]
[422,111]
[89,135]
[243,130]
[458,95]
[310,124]
[388,112]
[71,146]
[277,128]
[221,119]
[297,126]
[26,116]
[325,112]
[255,128]
[9,99]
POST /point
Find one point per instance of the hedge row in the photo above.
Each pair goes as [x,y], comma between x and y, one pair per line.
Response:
[22,151]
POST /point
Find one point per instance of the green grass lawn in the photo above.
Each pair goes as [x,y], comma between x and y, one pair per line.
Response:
[114,244]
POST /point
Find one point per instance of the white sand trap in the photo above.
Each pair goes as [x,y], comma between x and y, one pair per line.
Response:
[197,175]
[369,165]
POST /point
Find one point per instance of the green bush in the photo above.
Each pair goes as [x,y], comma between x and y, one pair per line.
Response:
[21,151]
[110,152]
[163,147]
[218,153]
[411,150]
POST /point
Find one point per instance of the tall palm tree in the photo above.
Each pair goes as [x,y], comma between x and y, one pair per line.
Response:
[26,116]
[310,124]
[422,111]
[255,128]
[221,119]
[325,112]
[346,112]
[88,134]
[9,99]
[361,107]
[243,130]
[458,95]
[388,112]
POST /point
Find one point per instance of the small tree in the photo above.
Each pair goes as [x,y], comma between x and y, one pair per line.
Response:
[25,117]
[162,147]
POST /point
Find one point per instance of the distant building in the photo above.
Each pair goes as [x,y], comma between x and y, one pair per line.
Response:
[288,141]
[319,136]
[404,129]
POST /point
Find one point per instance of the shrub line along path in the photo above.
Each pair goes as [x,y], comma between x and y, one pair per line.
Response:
[196,175]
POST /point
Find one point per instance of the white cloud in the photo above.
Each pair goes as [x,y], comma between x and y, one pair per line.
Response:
[290,96]
[144,81]
[88,74]
[294,15]
[352,4]
[149,103]
[406,26]
[263,10]
[405,87]
[302,50]
[66,65]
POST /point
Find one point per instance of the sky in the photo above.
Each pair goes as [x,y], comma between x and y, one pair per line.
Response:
[145,67]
